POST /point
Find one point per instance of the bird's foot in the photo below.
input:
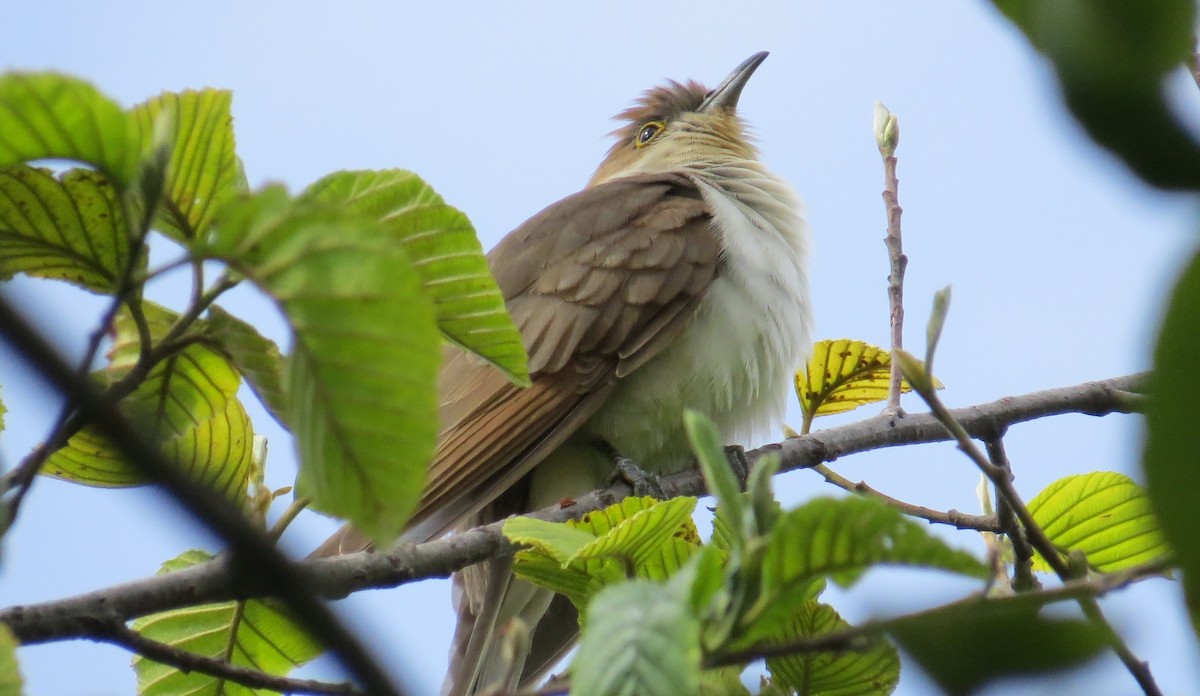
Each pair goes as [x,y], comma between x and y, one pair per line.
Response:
[643,482]
[738,463]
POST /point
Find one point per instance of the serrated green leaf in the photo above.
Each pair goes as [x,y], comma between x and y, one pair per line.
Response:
[255,634]
[964,648]
[187,403]
[640,539]
[1172,438]
[53,116]
[361,379]
[559,541]
[871,672]
[203,171]
[638,536]
[10,672]
[446,252]
[68,228]
[255,356]
[641,640]
[1105,515]
[841,538]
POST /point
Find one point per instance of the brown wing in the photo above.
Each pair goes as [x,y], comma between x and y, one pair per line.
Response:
[596,283]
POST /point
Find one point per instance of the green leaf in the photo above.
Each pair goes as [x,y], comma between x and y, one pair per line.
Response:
[724,681]
[255,634]
[188,403]
[842,538]
[68,228]
[1105,515]
[256,357]
[718,476]
[638,537]
[641,640]
[868,672]
[445,250]
[964,648]
[203,171]
[52,116]
[10,673]
[1111,59]
[1172,438]
[361,379]
[559,541]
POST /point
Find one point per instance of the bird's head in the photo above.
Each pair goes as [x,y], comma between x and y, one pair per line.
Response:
[681,125]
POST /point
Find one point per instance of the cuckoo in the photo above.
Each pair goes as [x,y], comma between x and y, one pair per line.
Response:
[675,279]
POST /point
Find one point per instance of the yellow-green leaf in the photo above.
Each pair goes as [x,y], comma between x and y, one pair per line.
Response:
[444,249]
[53,116]
[638,536]
[1104,514]
[842,375]
[361,382]
[187,403]
[70,227]
[871,672]
[255,634]
[203,171]
[10,673]
[559,541]
[255,356]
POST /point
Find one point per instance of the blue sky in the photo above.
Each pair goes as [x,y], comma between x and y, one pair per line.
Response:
[1059,258]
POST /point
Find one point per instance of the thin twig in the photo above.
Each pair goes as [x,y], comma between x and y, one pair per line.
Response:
[1023,577]
[887,136]
[185,661]
[254,556]
[979,523]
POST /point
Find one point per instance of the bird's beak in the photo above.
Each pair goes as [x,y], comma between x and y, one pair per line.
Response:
[726,95]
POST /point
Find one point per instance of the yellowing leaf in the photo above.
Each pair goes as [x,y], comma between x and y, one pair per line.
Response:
[842,375]
[189,404]
[69,227]
[1104,514]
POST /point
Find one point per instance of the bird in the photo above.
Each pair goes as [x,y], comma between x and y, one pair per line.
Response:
[675,279]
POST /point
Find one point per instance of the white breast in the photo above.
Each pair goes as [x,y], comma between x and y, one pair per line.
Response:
[735,361]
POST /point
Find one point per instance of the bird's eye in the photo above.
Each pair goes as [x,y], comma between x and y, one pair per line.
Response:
[648,132]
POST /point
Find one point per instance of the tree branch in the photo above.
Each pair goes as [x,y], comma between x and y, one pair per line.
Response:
[340,576]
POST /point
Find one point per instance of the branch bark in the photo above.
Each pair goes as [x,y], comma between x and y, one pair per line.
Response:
[218,581]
